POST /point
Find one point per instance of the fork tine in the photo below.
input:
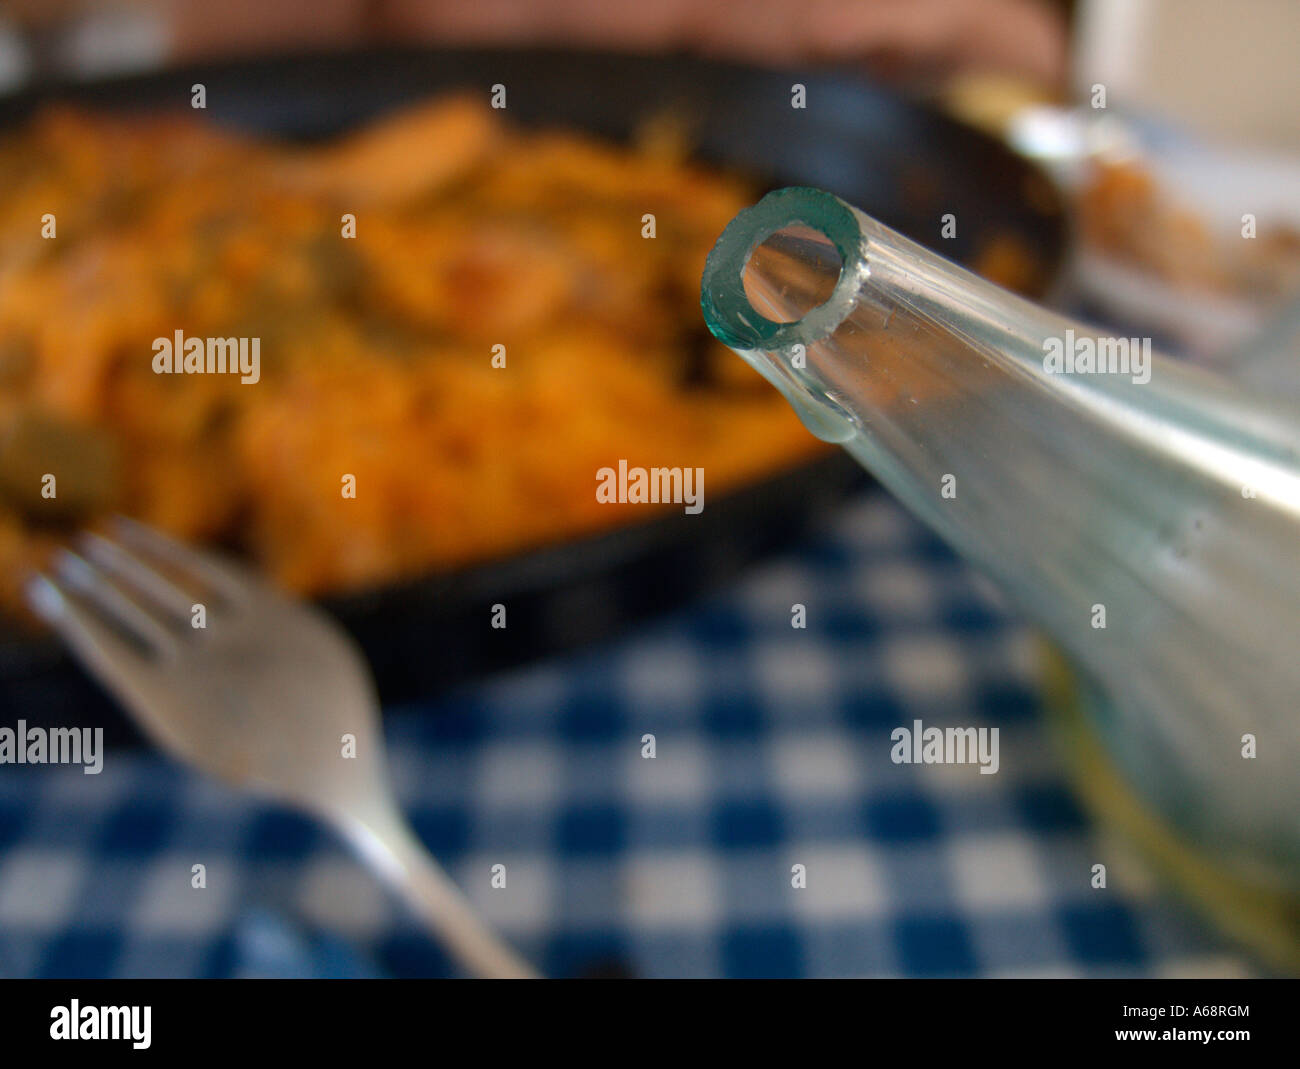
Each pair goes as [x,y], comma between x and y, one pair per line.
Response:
[136,576]
[224,579]
[92,639]
[138,683]
[113,601]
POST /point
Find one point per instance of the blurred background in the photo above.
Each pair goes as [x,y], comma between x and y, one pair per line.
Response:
[1098,157]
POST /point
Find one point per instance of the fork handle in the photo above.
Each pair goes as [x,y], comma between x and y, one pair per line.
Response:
[385,840]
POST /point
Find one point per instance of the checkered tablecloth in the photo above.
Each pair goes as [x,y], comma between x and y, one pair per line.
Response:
[772,751]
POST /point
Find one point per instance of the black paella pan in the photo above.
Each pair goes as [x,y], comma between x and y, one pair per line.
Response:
[897,160]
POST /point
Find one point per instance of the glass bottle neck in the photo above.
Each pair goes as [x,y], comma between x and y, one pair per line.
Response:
[1145,514]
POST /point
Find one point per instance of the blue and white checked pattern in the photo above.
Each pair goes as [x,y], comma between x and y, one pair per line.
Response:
[773,750]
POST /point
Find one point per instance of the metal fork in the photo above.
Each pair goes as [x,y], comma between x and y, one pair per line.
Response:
[270,696]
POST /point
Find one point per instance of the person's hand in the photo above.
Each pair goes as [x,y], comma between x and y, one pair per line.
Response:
[907,37]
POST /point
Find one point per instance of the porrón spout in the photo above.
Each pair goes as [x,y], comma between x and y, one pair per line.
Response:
[1146,515]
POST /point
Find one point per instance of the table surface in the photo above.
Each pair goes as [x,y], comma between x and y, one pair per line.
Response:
[772,750]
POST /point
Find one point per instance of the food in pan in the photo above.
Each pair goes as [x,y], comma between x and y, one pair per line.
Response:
[457,326]
[438,389]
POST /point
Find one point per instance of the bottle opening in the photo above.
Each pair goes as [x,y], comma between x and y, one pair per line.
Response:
[791,272]
[784,272]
